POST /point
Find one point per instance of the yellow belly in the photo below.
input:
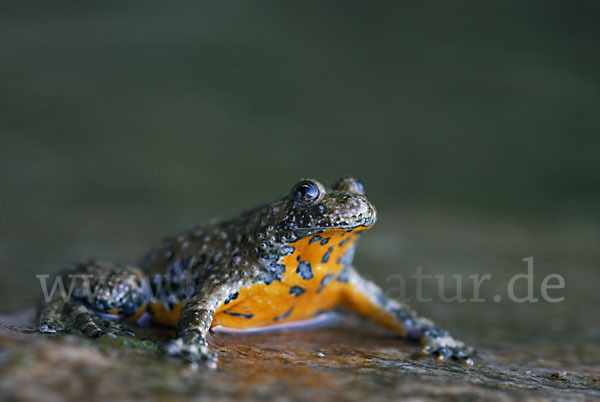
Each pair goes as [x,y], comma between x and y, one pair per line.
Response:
[272,304]
[260,304]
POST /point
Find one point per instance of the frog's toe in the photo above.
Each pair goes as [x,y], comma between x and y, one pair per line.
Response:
[77,318]
[445,352]
[439,343]
[52,318]
[51,327]
[115,329]
[192,352]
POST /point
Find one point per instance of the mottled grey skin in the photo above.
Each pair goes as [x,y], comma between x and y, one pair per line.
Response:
[205,266]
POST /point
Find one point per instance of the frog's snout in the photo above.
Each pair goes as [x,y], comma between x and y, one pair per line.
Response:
[365,213]
[372,214]
[348,210]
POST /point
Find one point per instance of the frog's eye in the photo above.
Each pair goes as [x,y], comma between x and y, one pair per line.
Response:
[306,192]
[359,187]
[350,184]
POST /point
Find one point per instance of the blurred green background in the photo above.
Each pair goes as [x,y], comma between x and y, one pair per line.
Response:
[474,125]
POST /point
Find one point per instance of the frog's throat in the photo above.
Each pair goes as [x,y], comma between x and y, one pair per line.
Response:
[327,251]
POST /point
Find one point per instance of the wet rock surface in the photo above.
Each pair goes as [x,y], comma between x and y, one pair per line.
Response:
[352,360]
[541,350]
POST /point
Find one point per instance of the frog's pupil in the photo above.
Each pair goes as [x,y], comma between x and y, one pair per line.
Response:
[306,192]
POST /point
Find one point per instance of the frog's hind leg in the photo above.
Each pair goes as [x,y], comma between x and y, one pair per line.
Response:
[366,298]
[91,324]
[76,317]
[95,288]
[52,318]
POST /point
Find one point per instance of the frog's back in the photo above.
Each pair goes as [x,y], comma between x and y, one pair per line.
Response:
[203,248]
[179,266]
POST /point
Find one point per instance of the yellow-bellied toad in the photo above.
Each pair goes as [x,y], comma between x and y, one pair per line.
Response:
[281,262]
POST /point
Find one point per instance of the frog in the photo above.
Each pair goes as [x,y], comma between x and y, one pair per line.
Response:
[285,261]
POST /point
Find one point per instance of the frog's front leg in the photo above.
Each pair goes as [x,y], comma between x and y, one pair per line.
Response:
[366,298]
[195,321]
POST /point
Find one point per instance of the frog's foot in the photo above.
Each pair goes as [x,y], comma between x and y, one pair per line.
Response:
[75,317]
[52,318]
[438,342]
[192,351]
[95,326]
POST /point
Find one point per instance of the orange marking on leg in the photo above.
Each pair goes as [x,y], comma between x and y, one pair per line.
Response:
[356,301]
[164,316]
[137,314]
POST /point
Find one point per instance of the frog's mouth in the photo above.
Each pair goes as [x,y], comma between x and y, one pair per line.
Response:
[333,230]
[354,219]
[340,211]
[355,228]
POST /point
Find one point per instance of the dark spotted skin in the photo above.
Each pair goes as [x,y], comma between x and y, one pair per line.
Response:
[294,255]
[297,290]
[239,314]
[315,238]
[326,255]
[325,281]
[284,315]
[231,297]
[304,270]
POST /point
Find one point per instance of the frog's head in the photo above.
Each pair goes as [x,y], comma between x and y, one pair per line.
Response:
[309,217]
[312,207]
